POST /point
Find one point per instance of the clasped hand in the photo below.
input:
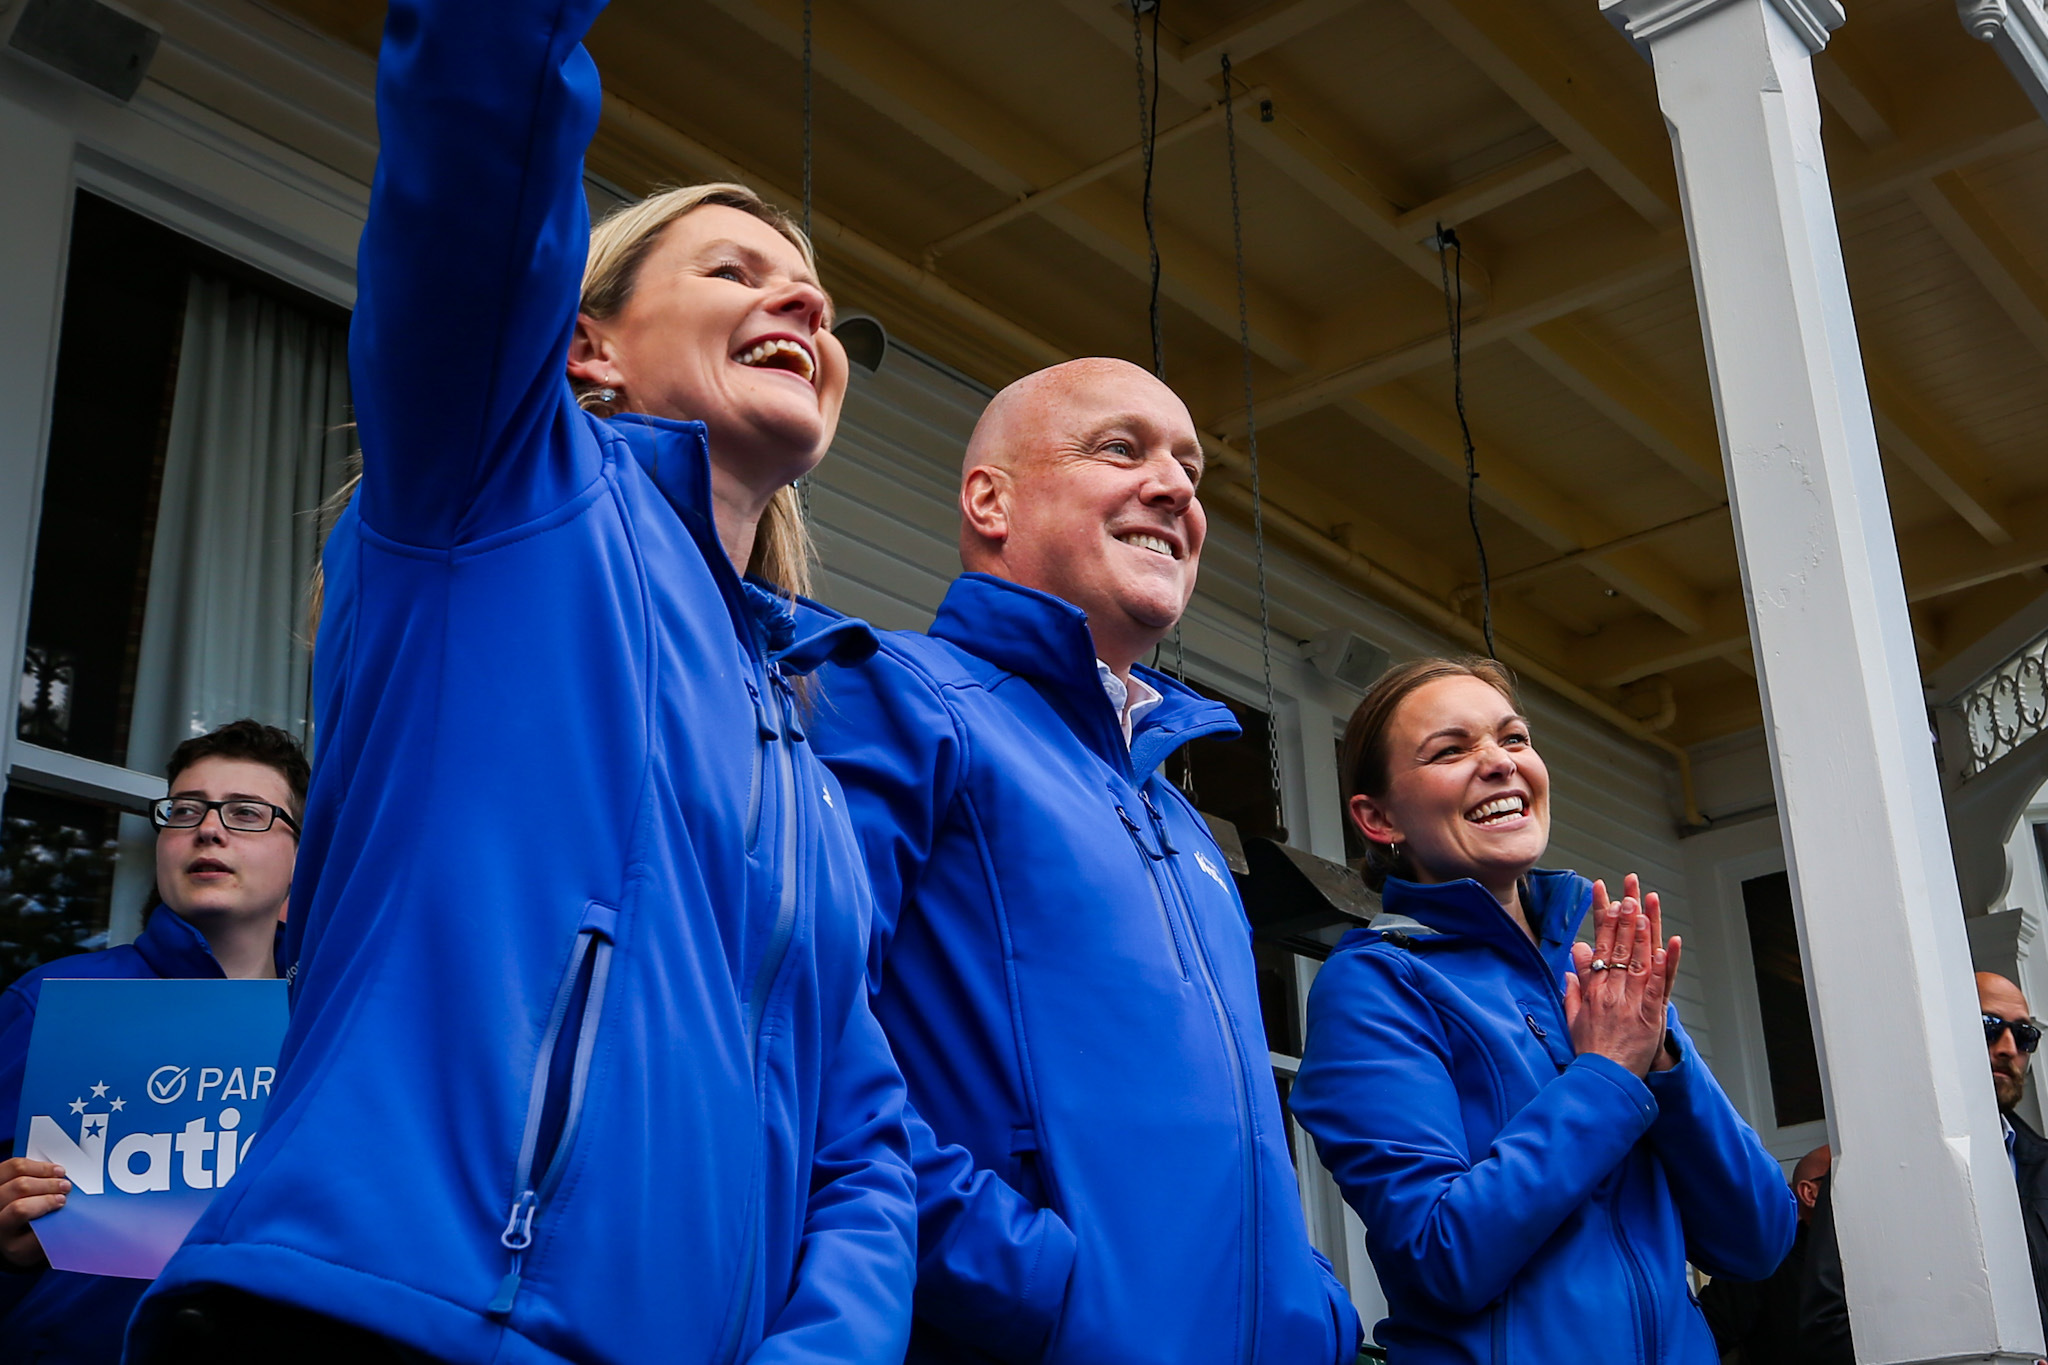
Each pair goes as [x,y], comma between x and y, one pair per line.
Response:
[1614,1000]
[28,1190]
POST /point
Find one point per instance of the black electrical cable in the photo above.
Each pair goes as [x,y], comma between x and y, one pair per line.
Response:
[805,117]
[1448,247]
[1148,133]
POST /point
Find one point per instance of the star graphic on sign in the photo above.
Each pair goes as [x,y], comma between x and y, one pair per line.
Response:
[116,1106]
[94,1126]
[78,1106]
[99,1092]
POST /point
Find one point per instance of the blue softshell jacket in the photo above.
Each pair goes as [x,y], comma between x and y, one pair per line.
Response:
[581,1063]
[1522,1203]
[1065,972]
[57,1317]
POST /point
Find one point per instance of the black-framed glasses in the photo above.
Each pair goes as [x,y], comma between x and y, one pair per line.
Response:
[241,814]
[2026,1035]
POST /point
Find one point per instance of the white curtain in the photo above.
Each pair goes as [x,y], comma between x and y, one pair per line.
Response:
[258,439]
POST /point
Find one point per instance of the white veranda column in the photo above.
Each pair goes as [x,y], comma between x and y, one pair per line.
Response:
[1933,1255]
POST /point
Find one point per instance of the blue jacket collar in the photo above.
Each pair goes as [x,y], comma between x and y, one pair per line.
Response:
[1555,902]
[176,950]
[677,457]
[1045,640]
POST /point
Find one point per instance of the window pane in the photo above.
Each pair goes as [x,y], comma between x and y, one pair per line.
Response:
[123,298]
[1781,998]
[1279,1000]
[1232,778]
[180,373]
[56,878]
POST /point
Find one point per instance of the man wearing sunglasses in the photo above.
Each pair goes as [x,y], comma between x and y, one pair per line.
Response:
[227,839]
[2011,1035]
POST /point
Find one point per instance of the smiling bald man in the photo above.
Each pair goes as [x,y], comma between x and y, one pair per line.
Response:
[1061,962]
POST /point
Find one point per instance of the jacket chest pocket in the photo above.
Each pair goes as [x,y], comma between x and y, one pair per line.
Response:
[1164,894]
[1540,1020]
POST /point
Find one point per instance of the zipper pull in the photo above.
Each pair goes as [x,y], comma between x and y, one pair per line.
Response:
[1158,823]
[762,729]
[1137,834]
[516,1238]
[791,726]
[518,1233]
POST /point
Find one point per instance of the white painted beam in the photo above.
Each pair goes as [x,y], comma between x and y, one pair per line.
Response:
[2018,31]
[1933,1255]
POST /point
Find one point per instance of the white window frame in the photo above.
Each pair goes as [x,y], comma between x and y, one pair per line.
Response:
[1717,864]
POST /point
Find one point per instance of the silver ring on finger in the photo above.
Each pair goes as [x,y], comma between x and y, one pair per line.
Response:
[1598,964]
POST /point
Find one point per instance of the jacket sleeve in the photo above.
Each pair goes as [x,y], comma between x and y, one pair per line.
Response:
[1377,1093]
[470,268]
[1739,1215]
[17,1020]
[851,1301]
[992,1265]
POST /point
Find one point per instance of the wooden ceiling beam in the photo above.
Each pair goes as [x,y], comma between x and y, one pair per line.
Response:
[1947,558]
[1577,266]
[1268,26]
[1639,646]
[1853,91]
[1974,233]
[1323,165]
[1038,200]
[1509,486]
[1935,561]
[1521,50]
[1923,442]
[881,72]
[1685,441]
[1482,195]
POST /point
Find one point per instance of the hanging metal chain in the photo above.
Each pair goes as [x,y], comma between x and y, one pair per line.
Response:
[1251,429]
[1447,247]
[1148,133]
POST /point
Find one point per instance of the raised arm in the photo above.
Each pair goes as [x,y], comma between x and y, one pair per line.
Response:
[1377,1094]
[470,267]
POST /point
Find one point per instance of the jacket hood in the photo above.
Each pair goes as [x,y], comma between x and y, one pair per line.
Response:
[1556,903]
[1045,640]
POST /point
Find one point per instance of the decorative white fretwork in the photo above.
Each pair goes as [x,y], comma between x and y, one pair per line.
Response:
[2018,30]
[2006,707]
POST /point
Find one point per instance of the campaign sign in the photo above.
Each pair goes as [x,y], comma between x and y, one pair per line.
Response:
[148,1094]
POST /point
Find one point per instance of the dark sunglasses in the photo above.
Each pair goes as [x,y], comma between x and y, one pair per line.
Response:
[2025,1036]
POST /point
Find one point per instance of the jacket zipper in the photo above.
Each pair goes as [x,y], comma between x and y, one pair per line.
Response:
[1638,1283]
[764,734]
[593,948]
[780,737]
[779,936]
[1249,1287]
[1151,861]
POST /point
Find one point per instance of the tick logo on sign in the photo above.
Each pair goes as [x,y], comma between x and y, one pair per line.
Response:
[203,1054]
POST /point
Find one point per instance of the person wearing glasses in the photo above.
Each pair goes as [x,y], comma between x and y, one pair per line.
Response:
[227,839]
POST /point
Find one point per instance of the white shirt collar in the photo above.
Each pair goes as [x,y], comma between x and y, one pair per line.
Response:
[1131,703]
